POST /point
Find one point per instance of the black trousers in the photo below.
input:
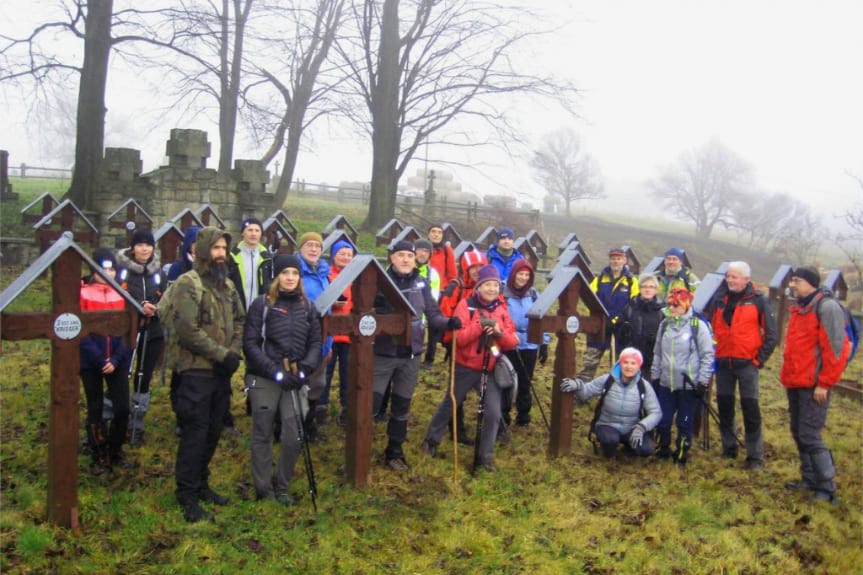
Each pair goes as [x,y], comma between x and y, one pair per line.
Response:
[202,399]
[117,385]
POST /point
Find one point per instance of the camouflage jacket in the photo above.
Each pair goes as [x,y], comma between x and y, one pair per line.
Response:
[206,318]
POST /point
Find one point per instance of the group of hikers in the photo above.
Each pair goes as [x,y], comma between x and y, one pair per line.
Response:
[220,304]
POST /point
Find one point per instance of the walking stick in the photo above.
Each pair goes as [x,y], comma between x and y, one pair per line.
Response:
[139,374]
[301,437]
[480,411]
[454,409]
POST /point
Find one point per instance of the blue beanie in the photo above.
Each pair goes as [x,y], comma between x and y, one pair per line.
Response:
[341,244]
[676,252]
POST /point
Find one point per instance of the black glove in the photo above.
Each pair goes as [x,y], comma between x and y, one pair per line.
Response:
[701,390]
[543,354]
[450,288]
[454,323]
[292,382]
[227,366]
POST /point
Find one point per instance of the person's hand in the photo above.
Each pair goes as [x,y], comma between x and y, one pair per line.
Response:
[543,354]
[571,385]
[150,309]
[701,390]
[292,382]
[454,323]
[227,366]
[637,436]
[450,289]
[820,394]
[108,368]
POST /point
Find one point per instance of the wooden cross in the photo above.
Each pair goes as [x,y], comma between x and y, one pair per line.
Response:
[366,278]
[130,216]
[66,217]
[64,326]
[568,287]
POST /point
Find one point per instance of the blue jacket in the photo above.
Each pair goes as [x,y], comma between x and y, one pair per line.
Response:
[314,284]
[518,307]
[503,264]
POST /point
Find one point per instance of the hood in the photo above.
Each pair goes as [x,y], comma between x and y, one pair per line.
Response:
[468,259]
[189,238]
[206,238]
[519,265]
[615,371]
[125,259]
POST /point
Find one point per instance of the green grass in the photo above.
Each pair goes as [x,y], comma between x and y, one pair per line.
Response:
[573,514]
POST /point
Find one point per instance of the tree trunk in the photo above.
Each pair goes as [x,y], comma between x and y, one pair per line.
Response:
[90,122]
[230,79]
[568,204]
[385,130]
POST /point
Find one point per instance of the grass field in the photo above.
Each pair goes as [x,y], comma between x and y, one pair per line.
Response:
[573,514]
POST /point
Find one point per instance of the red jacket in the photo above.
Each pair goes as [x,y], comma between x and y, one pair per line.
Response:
[443,260]
[346,307]
[816,347]
[467,338]
[752,333]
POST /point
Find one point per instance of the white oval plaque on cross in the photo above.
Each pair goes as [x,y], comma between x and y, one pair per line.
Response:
[572,324]
[67,326]
[368,325]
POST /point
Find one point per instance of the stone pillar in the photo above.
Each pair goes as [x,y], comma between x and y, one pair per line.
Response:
[187,149]
[122,164]
[251,179]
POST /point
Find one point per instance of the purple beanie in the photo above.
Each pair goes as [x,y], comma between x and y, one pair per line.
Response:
[487,273]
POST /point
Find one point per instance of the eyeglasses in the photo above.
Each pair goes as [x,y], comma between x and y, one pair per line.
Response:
[644,287]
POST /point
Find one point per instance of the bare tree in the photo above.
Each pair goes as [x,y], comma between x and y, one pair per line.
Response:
[703,186]
[297,84]
[761,215]
[565,169]
[851,242]
[800,234]
[446,61]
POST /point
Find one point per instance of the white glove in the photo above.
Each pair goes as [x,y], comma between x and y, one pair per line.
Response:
[637,436]
[571,385]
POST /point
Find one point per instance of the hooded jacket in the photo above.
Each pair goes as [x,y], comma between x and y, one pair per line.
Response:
[464,287]
[443,260]
[239,274]
[185,263]
[752,333]
[208,315]
[678,361]
[416,290]
[518,304]
[144,282]
[95,350]
[621,408]
[469,351]
[501,262]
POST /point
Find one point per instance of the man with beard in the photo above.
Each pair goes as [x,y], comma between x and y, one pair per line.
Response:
[674,274]
[207,317]
[614,287]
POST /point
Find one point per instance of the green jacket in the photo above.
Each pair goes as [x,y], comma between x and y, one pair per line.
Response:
[207,317]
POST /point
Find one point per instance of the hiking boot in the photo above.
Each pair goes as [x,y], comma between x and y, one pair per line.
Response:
[465,439]
[425,365]
[522,421]
[488,466]
[429,448]
[504,435]
[192,513]
[664,452]
[207,495]
[382,417]
[98,468]
[796,485]
[137,438]
[321,414]
[825,496]
[285,499]
[121,460]
[754,465]
[397,464]
[342,421]
[729,453]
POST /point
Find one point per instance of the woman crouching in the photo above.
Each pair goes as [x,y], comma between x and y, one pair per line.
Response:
[628,408]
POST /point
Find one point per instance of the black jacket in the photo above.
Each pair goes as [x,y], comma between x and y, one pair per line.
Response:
[416,290]
[293,331]
[637,327]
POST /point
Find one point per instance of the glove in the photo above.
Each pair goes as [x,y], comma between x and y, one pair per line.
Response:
[227,366]
[488,322]
[450,289]
[637,436]
[292,382]
[454,323]
[571,385]
[543,354]
[701,390]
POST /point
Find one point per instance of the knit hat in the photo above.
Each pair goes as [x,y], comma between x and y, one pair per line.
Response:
[310,237]
[631,353]
[680,296]
[251,220]
[487,273]
[403,246]
[676,252]
[808,273]
[505,233]
[143,236]
[282,261]
[423,245]
[435,225]
[341,244]
[616,252]
[105,258]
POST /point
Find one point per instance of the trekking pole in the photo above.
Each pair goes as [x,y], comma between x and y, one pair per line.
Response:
[533,391]
[139,374]
[454,410]
[715,415]
[480,410]
[301,437]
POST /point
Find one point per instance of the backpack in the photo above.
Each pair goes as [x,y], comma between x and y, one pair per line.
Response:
[852,325]
[591,431]
[168,314]
[697,317]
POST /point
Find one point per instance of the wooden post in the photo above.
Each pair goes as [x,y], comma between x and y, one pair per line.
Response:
[64,326]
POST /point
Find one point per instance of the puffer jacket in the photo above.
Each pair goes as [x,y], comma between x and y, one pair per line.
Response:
[621,408]
[343,309]
[469,352]
[816,345]
[144,282]
[638,326]
[208,315]
[293,331]
[752,333]
[95,350]
[501,262]
[315,281]
[416,290]
[464,287]
[677,358]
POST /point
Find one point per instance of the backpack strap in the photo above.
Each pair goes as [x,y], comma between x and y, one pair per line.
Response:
[591,431]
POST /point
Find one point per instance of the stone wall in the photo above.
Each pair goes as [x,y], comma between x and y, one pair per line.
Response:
[186,182]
